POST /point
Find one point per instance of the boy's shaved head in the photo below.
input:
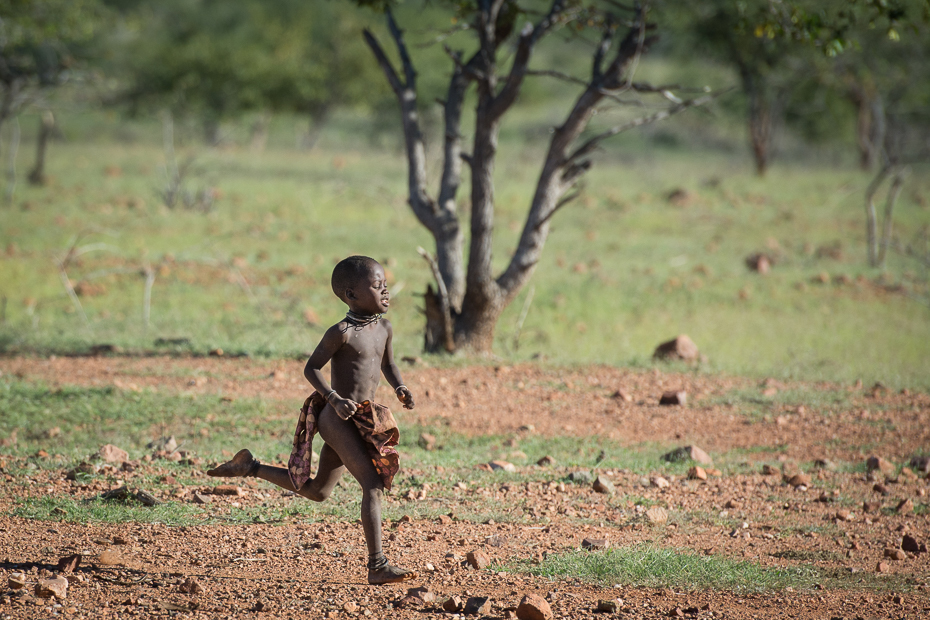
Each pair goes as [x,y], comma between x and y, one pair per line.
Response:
[349,271]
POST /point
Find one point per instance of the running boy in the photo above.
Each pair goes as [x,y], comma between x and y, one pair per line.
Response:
[359,435]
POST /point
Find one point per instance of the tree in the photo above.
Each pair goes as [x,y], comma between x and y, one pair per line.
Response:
[220,59]
[42,42]
[463,309]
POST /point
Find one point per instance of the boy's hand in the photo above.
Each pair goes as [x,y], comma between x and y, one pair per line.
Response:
[404,396]
[344,407]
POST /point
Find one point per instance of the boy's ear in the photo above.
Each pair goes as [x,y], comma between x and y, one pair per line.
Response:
[349,294]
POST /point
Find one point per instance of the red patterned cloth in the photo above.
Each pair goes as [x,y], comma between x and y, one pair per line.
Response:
[375,423]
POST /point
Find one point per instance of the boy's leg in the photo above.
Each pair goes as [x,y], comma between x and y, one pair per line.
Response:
[344,438]
[317,489]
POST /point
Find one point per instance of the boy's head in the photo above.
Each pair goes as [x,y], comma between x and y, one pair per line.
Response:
[360,280]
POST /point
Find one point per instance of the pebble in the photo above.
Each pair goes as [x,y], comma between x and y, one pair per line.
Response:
[200,498]
[191,586]
[659,482]
[609,606]
[427,441]
[697,473]
[111,454]
[657,515]
[478,559]
[56,587]
[904,507]
[16,581]
[546,461]
[799,480]
[603,485]
[674,397]
[423,593]
[533,607]
[595,544]
[874,463]
[502,466]
[228,489]
[844,515]
[453,604]
[684,453]
[477,605]
[895,554]
[350,607]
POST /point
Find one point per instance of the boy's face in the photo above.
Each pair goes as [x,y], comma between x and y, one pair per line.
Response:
[370,294]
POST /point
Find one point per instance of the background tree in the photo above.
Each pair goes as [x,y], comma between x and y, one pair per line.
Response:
[501,38]
[220,59]
[42,43]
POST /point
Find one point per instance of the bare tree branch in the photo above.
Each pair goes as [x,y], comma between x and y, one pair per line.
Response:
[597,70]
[409,73]
[591,144]
[393,79]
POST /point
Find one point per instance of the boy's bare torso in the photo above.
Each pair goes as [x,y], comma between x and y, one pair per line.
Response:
[356,365]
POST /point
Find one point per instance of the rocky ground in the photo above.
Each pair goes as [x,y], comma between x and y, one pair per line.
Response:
[864,527]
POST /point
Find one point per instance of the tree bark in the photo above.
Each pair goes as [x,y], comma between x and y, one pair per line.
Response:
[46,127]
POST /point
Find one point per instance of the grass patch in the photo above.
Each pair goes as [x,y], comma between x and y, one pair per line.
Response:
[100,511]
[648,566]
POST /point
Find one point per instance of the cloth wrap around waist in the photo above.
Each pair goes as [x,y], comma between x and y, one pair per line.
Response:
[376,425]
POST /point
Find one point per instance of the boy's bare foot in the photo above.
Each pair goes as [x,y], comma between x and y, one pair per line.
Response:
[240,466]
[389,574]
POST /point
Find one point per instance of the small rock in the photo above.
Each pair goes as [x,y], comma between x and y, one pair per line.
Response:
[622,395]
[799,480]
[200,498]
[673,397]
[533,607]
[697,473]
[689,452]
[873,463]
[768,470]
[844,515]
[110,558]
[407,602]
[895,554]
[680,348]
[453,604]
[881,488]
[657,515]
[427,441]
[190,586]
[16,581]
[444,520]
[659,482]
[609,607]
[759,262]
[871,506]
[68,563]
[478,559]
[583,476]
[423,593]
[909,543]
[825,464]
[595,544]
[228,489]
[83,468]
[603,485]
[904,507]
[883,567]
[350,607]
[921,464]
[502,466]
[57,587]
[546,461]
[713,471]
[477,605]
[111,454]
[677,612]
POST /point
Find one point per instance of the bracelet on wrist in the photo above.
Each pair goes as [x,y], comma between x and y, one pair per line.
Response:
[400,386]
[329,395]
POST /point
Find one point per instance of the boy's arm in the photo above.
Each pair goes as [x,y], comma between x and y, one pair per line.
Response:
[391,372]
[332,341]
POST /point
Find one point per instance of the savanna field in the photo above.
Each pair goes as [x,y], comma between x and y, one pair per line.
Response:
[179,336]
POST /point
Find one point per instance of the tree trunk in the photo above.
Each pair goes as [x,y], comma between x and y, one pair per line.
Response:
[46,127]
[259,138]
[870,125]
[760,123]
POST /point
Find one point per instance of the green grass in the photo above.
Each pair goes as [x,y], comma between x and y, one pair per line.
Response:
[51,508]
[622,270]
[649,566]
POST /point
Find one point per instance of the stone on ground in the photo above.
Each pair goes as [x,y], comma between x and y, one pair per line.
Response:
[595,544]
[478,559]
[904,507]
[609,606]
[799,480]
[659,482]
[689,452]
[697,473]
[68,563]
[453,604]
[56,587]
[674,397]
[895,554]
[603,485]
[502,466]
[546,461]
[533,607]
[191,586]
[477,605]
[423,593]
[228,489]
[583,476]
[427,441]
[877,463]
[680,348]
[16,581]
[111,454]
[657,515]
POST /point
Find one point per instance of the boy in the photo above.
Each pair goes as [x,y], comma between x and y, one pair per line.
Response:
[359,435]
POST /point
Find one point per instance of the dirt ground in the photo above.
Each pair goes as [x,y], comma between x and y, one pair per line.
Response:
[851,524]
